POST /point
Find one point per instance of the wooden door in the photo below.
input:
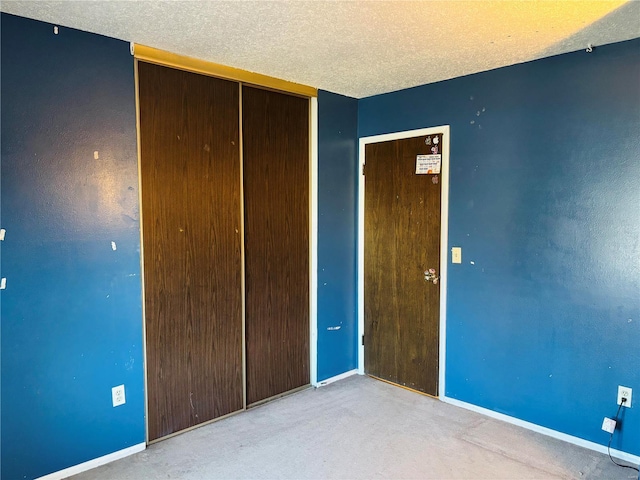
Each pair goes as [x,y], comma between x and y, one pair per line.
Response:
[276,205]
[402,242]
[190,174]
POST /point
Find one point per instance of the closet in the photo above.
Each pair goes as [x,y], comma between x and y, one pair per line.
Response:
[224,173]
[276,186]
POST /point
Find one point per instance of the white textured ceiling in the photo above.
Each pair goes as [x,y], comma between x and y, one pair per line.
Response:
[356,48]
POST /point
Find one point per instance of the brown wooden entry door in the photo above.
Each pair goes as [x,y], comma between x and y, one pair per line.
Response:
[191,220]
[276,193]
[402,242]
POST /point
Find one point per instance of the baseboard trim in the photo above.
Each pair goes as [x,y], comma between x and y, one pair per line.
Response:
[336,378]
[96,462]
[627,457]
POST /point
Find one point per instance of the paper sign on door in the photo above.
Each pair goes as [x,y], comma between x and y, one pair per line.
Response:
[428,164]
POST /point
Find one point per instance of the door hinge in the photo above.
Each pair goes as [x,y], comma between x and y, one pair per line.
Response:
[363,340]
[363,169]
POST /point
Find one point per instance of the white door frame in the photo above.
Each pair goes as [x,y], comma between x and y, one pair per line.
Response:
[444,240]
[313,241]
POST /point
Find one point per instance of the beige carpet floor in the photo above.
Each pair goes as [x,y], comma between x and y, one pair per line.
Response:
[360,428]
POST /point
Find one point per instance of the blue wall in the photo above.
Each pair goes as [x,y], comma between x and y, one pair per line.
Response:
[337,234]
[71,313]
[545,200]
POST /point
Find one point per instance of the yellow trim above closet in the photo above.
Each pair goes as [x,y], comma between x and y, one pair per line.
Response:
[161,57]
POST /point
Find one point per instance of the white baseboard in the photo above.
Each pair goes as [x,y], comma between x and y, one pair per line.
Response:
[627,457]
[96,462]
[336,378]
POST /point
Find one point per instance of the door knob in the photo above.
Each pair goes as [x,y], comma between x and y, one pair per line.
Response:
[431,276]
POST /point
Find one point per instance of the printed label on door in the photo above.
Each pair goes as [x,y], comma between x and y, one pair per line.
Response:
[428,164]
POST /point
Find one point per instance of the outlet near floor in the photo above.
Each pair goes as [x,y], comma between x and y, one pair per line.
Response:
[624,392]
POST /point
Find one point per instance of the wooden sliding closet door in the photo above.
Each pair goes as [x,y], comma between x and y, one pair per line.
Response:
[190,171]
[276,195]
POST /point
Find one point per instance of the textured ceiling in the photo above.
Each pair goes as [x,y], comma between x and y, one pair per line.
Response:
[356,48]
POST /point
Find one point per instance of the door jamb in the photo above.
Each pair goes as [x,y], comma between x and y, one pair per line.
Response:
[313,241]
[444,239]
[142,285]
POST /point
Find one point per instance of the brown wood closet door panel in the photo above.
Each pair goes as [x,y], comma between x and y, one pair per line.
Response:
[190,174]
[276,192]
[402,241]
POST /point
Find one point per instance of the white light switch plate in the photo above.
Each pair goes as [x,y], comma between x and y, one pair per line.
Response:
[456,255]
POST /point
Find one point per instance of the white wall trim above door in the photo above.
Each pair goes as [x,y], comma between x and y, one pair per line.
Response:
[444,239]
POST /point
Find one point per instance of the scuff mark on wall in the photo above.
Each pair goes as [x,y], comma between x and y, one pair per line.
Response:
[129,363]
[128,218]
[191,403]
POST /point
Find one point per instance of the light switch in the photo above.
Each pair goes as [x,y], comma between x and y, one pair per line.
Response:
[456,255]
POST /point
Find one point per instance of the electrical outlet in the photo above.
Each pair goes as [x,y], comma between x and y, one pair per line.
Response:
[117,395]
[624,392]
[608,425]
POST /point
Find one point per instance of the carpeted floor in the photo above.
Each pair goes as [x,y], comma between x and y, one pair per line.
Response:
[360,428]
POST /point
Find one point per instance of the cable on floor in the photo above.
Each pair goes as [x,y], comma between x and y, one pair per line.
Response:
[611,438]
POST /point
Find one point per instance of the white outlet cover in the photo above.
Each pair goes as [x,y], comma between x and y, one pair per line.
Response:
[117,396]
[626,393]
[608,425]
